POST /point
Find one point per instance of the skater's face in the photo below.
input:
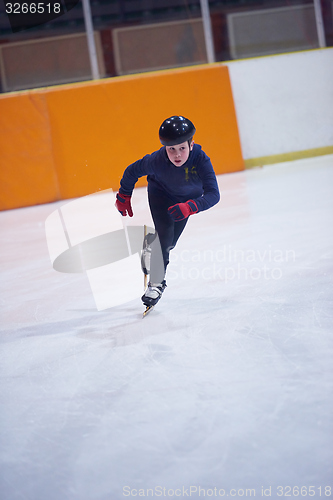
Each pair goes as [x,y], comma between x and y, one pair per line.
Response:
[179,154]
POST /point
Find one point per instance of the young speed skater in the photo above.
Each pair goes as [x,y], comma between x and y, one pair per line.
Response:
[181,182]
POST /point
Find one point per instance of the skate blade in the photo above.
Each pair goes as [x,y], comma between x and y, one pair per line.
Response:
[147,311]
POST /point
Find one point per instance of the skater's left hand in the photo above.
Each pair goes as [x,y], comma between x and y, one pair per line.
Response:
[181,211]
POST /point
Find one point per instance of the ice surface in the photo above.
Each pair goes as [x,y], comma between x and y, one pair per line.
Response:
[227,384]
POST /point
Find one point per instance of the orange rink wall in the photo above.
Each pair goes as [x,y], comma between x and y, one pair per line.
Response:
[72,140]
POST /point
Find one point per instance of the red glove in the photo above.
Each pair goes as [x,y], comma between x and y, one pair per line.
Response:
[123,204]
[182,210]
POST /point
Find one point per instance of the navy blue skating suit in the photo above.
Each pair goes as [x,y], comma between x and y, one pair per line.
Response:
[168,185]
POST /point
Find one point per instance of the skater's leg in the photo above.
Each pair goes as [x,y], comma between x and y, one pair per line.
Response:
[168,230]
[168,233]
[178,229]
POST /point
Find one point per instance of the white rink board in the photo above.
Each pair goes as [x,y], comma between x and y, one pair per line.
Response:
[284,103]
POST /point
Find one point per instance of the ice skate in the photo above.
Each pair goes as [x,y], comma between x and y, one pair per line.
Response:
[153,293]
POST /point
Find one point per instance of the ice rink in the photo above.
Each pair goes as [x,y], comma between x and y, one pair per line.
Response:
[224,390]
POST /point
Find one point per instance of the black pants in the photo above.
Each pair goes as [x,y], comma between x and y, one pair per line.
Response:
[168,231]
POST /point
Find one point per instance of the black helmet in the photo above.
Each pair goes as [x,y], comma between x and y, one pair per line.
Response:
[175,130]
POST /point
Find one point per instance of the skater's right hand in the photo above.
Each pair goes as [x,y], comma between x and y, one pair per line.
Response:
[123,204]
